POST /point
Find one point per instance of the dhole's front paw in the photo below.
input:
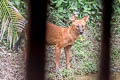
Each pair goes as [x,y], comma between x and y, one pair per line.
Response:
[68,67]
[57,67]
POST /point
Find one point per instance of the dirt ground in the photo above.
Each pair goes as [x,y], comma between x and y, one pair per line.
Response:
[12,66]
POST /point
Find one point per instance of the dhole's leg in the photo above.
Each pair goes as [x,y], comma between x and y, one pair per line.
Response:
[25,50]
[67,54]
[17,44]
[57,55]
[25,54]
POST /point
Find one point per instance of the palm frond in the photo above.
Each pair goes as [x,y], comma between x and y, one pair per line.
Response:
[11,22]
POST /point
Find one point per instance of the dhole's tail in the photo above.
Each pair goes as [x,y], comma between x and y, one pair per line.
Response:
[17,44]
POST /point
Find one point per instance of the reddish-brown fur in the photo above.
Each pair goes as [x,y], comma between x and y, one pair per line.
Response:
[60,37]
[64,37]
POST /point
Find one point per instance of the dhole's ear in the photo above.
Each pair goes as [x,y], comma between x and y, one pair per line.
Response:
[73,18]
[85,18]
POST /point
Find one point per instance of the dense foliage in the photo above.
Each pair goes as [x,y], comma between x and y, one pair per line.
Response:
[21,6]
[61,10]
[11,20]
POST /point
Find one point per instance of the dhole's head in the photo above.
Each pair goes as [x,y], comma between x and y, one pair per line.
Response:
[79,25]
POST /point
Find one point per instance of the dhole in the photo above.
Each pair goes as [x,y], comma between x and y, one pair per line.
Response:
[62,37]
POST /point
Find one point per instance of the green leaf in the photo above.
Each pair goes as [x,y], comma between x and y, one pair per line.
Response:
[17,2]
[60,9]
[59,16]
[119,1]
[59,2]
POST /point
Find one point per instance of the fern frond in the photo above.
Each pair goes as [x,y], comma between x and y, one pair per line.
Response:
[11,22]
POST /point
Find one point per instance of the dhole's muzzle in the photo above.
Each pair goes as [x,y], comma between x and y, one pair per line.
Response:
[81,31]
